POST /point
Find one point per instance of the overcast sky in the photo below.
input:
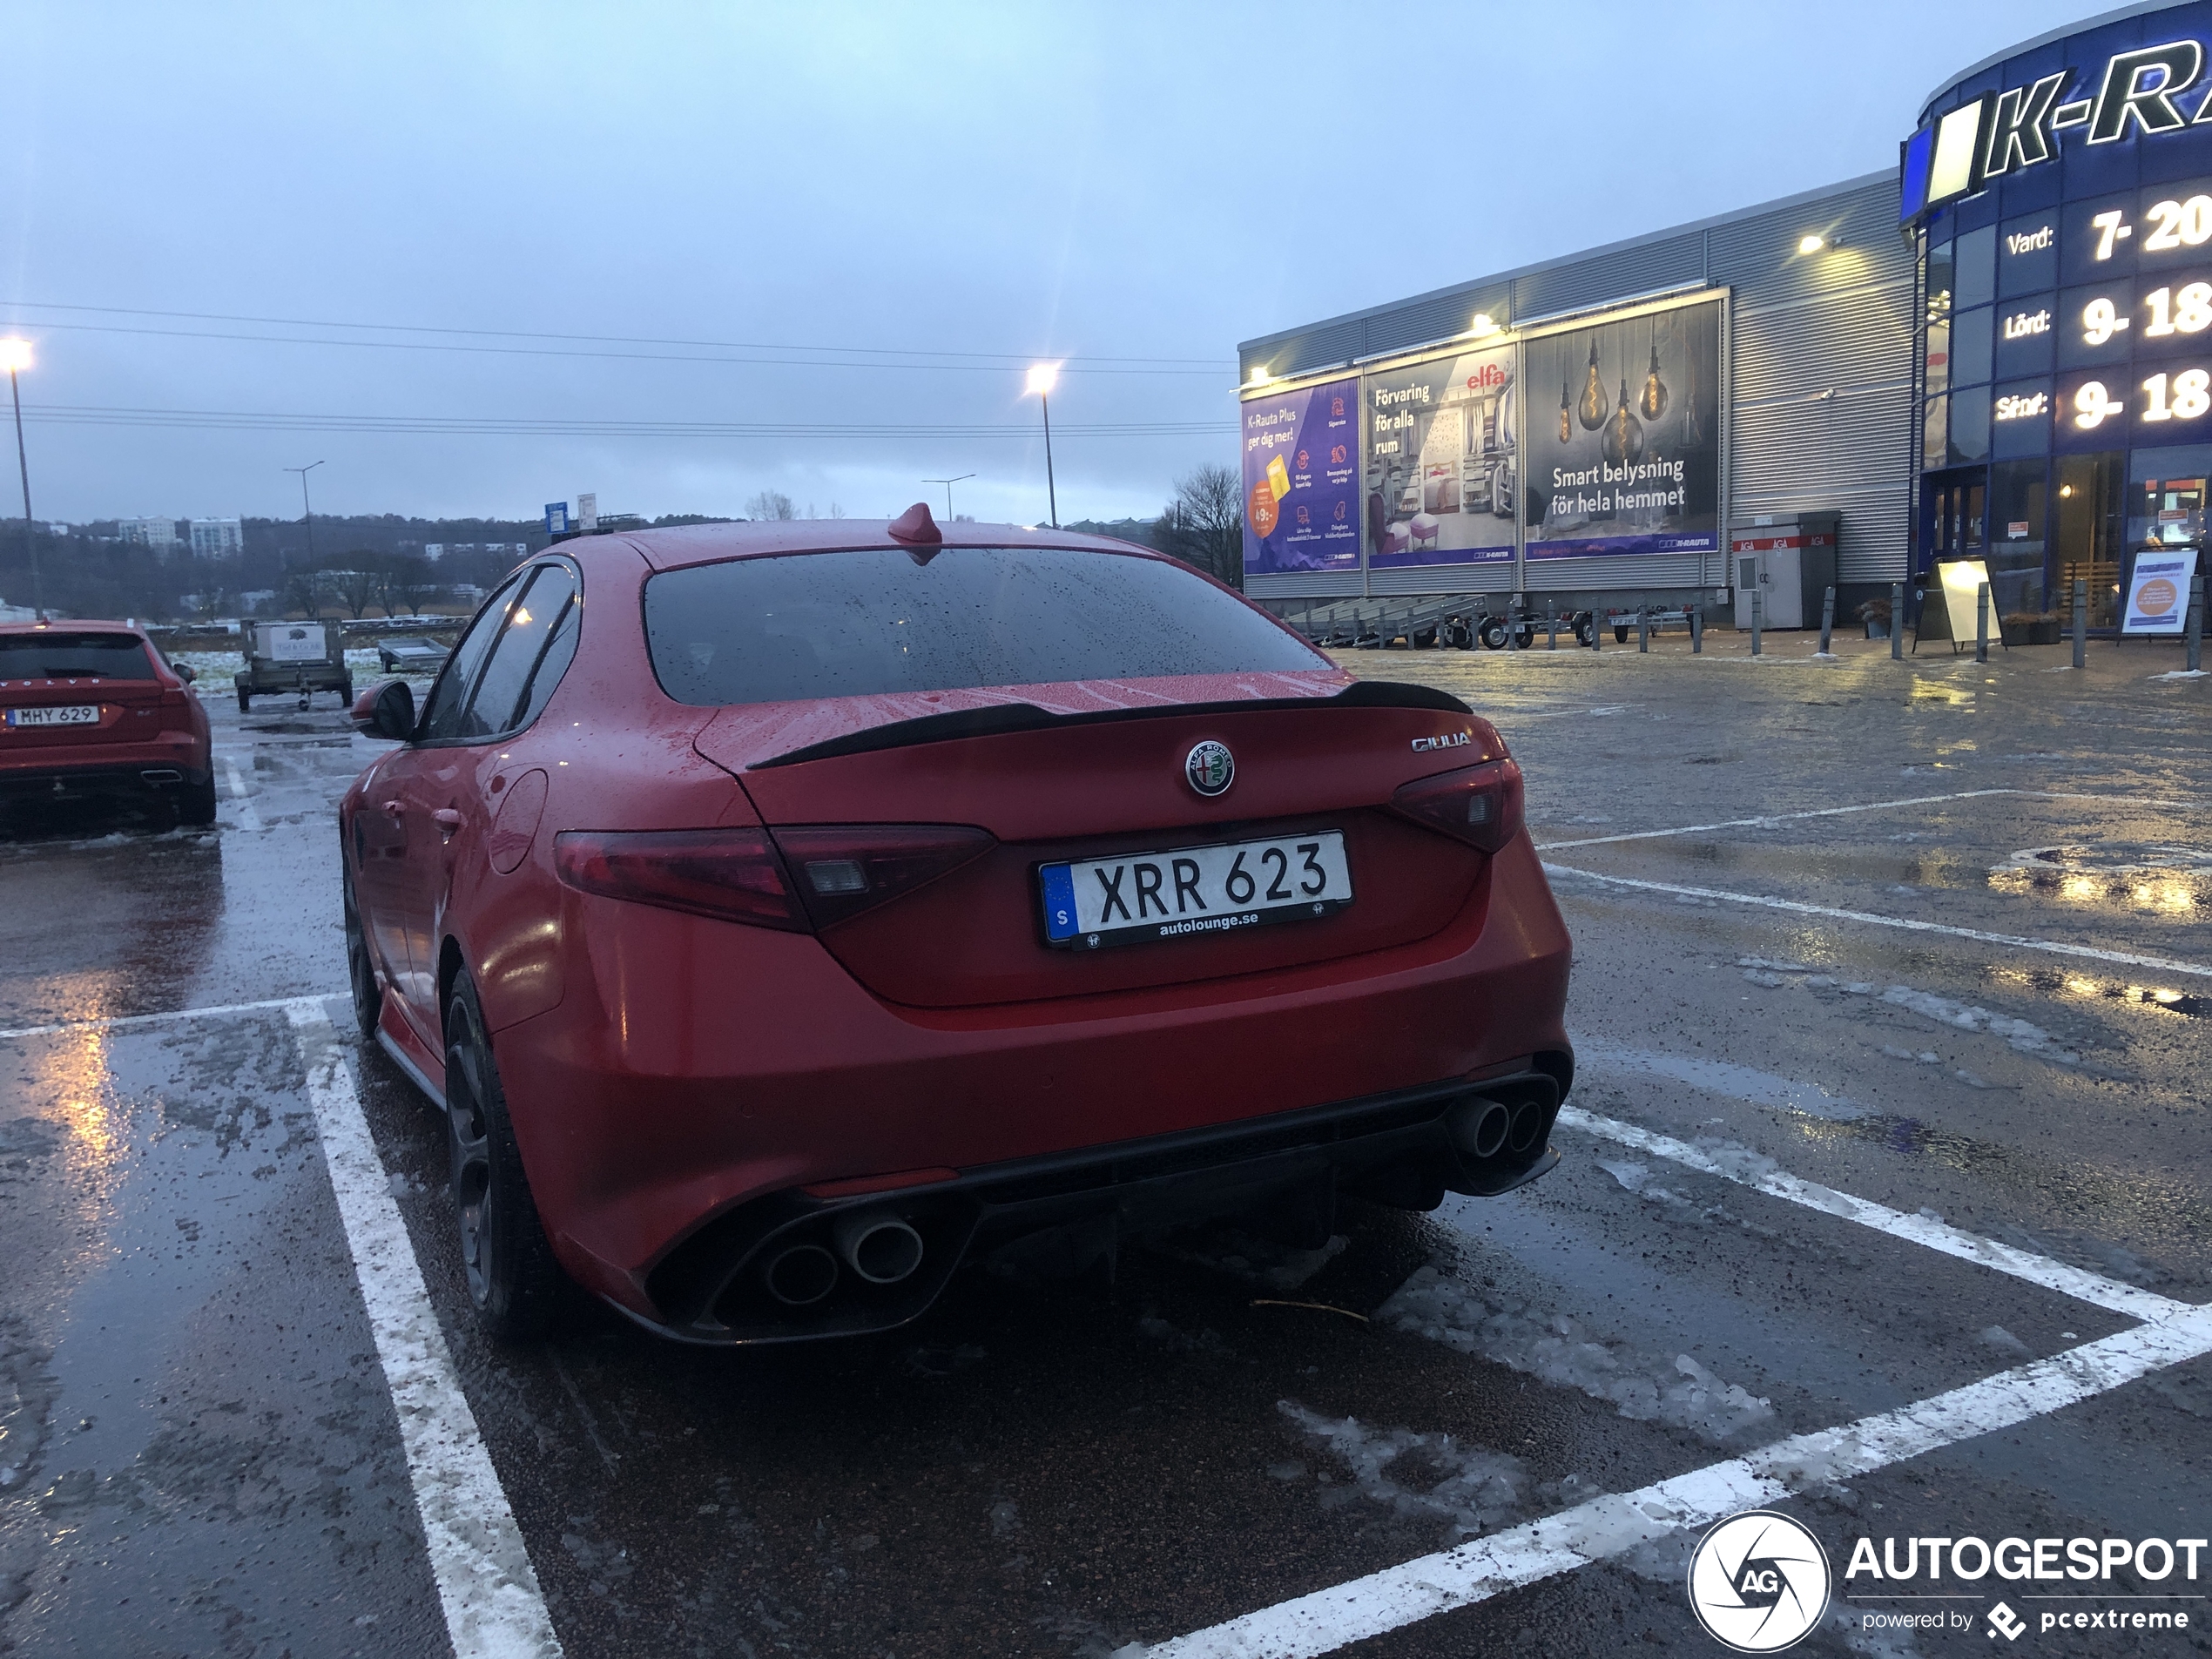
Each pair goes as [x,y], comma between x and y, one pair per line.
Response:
[859,221]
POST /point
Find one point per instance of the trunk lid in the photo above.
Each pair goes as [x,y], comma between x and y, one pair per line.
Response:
[40,672]
[1054,788]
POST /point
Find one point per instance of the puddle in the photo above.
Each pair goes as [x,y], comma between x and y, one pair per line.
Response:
[2162,878]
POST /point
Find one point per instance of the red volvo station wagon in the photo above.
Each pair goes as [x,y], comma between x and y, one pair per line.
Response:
[92,712]
[783,915]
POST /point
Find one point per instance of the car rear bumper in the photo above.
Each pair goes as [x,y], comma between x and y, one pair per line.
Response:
[693,1069]
[148,770]
[1069,1211]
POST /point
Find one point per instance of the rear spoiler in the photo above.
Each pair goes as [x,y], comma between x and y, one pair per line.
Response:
[1028,717]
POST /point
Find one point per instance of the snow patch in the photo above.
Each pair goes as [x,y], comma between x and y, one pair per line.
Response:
[1417,1476]
[1675,1390]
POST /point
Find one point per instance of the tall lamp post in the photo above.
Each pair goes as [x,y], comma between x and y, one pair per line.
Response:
[948,483]
[1043,378]
[17,354]
[306,512]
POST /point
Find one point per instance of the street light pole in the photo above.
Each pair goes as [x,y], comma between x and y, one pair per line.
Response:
[307,512]
[948,483]
[17,354]
[1043,378]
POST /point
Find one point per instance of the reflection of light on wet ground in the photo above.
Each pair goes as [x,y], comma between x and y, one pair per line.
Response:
[74,1070]
[2087,988]
[2164,879]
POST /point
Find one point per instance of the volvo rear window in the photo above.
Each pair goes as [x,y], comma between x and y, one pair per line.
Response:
[52,655]
[805,625]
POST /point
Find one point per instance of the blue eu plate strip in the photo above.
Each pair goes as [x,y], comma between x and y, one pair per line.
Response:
[1059,883]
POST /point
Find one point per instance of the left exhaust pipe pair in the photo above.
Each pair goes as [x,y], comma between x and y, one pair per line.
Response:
[882,1250]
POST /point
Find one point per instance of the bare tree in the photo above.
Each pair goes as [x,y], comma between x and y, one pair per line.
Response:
[353,580]
[1204,525]
[303,591]
[406,580]
[770,503]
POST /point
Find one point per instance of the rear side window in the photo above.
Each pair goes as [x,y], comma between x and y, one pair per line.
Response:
[54,656]
[883,619]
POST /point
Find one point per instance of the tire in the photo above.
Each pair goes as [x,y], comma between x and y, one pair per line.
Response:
[196,805]
[1492,634]
[512,1281]
[1585,631]
[346,692]
[1620,635]
[245,701]
[1527,636]
[361,972]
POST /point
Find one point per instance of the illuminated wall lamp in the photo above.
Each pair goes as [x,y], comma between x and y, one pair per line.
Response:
[1812,242]
[1482,325]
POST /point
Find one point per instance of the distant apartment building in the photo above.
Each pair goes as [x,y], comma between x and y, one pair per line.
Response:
[147,532]
[217,538]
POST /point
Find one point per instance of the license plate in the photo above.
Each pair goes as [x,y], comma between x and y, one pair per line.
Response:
[1193,892]
[73,714]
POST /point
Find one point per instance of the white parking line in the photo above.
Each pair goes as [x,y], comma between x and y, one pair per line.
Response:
[2082,1286]
[114,1021]
[249,816]
[1765,819]
[1797,906]
[1608,1527]
[493,1606]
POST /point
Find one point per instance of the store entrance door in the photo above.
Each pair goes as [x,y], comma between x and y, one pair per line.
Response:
[1954,507]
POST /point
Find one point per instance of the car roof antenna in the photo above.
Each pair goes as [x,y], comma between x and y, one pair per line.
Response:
[915,525]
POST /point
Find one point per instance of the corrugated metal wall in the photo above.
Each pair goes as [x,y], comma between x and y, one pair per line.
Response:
[1822,383]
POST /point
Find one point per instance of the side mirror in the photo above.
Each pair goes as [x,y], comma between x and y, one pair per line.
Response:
[386,710]
[184,672]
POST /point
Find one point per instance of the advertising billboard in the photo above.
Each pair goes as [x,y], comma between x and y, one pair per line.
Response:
[1629,462]
[1441,484]
[1301,479]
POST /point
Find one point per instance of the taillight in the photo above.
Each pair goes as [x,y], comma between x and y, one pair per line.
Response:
[1478,804]
[730,875]
[843,869]
[744,875]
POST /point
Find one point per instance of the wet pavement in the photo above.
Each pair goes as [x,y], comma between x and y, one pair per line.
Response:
[199,1452]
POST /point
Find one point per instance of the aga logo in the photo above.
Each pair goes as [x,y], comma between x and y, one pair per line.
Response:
[1758,1582]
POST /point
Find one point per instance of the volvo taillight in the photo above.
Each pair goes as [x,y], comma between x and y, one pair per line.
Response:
[730,875]
[1480,805]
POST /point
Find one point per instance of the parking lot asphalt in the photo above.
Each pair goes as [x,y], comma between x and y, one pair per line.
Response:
[1889,1149]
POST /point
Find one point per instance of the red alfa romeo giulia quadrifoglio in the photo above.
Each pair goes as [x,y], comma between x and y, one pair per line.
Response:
[784,915]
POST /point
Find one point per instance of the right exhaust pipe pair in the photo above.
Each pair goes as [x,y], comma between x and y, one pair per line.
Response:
[1482,1128]
[881,1250]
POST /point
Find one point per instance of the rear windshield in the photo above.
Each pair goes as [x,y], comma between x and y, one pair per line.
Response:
[881,620]
[55,656]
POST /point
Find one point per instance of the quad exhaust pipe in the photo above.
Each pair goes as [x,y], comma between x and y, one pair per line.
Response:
[878,1249]
[1483,1129]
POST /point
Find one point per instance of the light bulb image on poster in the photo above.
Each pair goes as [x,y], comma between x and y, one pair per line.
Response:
[1644,476]
[1442,476]
[1301,479]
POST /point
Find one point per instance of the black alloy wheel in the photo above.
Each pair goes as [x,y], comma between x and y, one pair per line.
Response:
[513,1280]
[360,973]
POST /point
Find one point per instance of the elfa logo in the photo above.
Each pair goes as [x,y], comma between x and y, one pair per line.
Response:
[1758,1582]
[1486,377]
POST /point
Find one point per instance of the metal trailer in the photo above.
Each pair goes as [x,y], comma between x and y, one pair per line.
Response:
[296,658]
[1623,622]
[421,657]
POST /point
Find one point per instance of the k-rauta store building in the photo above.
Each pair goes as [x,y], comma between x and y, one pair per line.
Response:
[1998,348]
